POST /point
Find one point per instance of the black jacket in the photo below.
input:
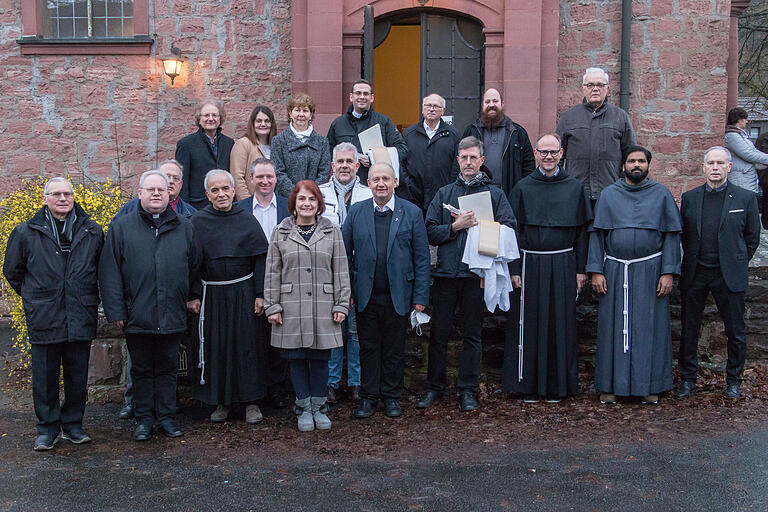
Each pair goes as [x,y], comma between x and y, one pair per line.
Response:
[450,246]
[430,162]
[517,159]
[146,272]
[195,154]
[60,294]
[737,238]
[346,127]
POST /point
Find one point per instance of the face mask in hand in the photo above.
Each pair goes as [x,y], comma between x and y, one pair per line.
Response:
[417,320]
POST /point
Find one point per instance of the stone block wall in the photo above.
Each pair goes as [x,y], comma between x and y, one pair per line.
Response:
[678,79]
[116,115]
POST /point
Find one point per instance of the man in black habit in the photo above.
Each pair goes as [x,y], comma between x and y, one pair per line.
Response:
[553,213]
[634,252]
[721,232]
[230,362]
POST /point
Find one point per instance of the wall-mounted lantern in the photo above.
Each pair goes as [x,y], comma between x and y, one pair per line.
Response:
[172,65]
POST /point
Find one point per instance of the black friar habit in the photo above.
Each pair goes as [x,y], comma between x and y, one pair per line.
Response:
[232,369]
[553,214]
[634,349]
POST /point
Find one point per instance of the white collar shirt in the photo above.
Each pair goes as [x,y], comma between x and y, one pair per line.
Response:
[389,206]
[266,215]
[430,132]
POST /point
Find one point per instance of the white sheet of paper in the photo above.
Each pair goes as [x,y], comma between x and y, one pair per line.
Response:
[371,138]
[479,203]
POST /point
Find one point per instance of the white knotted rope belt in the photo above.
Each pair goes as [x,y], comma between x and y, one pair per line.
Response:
[626,264]
[522,307]
[201,321]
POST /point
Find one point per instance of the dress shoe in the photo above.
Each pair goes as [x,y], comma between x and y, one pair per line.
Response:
[467,401]
[354,393]
[392,408]
[650,399]
[330,395]
[428,399]
[608,398]
[277,399]
[170,429]
[126,413]
[220,414]
[76,435]
[253,414]
[531,399]
[552,399]
[143,432]
[365,409]
[733,391]
[685,389]
[45,442]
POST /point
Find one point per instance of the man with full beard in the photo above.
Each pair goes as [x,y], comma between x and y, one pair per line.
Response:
[508,150]
[634,252]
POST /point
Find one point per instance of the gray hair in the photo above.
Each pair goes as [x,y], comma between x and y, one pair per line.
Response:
[345,146]
[718,148]
[154,172]
[594,70]
[433,94]
[262,161]
[382,164]
[57,179]
[472,142]
[172,161]
[216,172]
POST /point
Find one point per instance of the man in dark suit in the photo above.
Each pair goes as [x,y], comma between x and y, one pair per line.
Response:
[269,209]
[721,232]
[388,251]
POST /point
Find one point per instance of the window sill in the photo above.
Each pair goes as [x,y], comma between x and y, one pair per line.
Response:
[35,45]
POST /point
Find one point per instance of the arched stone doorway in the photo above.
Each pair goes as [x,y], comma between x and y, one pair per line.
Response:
[521,38]
[422,52]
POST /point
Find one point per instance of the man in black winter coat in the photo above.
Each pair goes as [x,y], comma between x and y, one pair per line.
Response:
[454,283]
[51,261]
[359,117]
[508,150]
[203,150]
[147,272]
[432,147]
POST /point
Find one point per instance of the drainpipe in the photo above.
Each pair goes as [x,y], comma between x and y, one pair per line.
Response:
[626,33]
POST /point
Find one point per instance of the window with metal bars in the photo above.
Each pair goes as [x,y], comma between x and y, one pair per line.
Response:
[87,19]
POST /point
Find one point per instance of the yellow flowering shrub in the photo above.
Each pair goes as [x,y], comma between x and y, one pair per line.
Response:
[101,200]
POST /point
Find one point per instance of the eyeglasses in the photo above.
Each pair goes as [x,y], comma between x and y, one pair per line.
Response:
[433,107]
[155,190]
[174,179]
[470,158]
[548,152]
[63,195]
[262,121]
[599,85]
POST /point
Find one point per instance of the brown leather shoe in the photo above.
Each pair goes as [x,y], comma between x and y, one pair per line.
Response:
[354,393]
[330,395]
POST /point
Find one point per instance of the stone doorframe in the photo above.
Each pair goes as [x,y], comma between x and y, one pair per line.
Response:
[521,38]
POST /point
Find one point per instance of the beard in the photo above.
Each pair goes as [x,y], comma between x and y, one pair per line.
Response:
[634,177]
[492,121]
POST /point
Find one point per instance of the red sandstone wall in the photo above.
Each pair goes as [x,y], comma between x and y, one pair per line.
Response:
[60,114]
[678,79]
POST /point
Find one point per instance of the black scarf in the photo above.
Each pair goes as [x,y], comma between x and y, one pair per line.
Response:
[63,236]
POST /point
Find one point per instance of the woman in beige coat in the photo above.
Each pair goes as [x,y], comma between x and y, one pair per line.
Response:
[256,143]
[306,297]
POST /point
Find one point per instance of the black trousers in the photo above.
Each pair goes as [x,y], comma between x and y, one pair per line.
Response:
[381,332]
[446,294]
[277,366]
[47,361]
[730,306]
[155,363]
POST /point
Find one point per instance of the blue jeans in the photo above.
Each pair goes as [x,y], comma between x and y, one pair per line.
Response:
[336,362]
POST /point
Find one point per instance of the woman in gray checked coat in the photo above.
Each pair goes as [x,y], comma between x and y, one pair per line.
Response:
[306,297]
[299,152]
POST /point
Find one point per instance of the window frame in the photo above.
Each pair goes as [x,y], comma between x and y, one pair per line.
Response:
[32,41]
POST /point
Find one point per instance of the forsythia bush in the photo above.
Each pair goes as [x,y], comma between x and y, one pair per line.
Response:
[100,200]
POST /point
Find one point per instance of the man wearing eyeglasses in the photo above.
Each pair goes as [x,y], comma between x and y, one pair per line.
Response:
[51,261]
[594,135]
[147,272]
[553,212]
[432,147]
[175,172]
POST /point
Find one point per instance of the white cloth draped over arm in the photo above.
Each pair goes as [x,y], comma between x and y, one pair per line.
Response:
[494,271]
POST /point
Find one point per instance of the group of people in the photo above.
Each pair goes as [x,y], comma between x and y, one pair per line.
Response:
[279,249]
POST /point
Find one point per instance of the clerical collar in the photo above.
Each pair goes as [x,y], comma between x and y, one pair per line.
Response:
[430,132]
[304,134]
[354,113]
[556,172]
[389,206]
[718,189]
